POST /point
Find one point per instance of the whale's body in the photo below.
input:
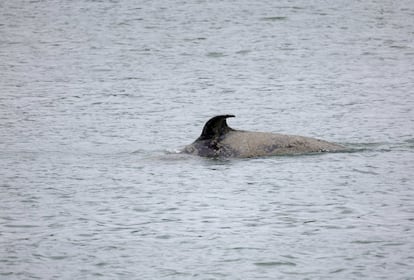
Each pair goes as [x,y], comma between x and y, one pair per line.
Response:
[219,140]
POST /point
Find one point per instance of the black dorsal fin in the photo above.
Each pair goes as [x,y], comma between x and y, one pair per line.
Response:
[215,127]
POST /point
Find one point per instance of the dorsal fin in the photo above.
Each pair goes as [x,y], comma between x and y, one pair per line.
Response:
[215,127]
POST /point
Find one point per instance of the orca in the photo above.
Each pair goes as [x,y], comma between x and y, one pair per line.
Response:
[219,140]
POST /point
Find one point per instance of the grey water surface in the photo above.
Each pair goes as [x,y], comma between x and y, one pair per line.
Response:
[97,98]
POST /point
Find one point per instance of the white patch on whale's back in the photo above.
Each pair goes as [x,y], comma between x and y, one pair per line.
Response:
[252,144]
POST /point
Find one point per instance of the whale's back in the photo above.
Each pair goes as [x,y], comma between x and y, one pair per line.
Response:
[219,140]
[254,144]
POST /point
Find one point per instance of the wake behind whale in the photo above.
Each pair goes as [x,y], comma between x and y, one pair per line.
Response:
[219,140]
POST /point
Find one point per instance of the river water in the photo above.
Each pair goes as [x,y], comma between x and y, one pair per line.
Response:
[97,97]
